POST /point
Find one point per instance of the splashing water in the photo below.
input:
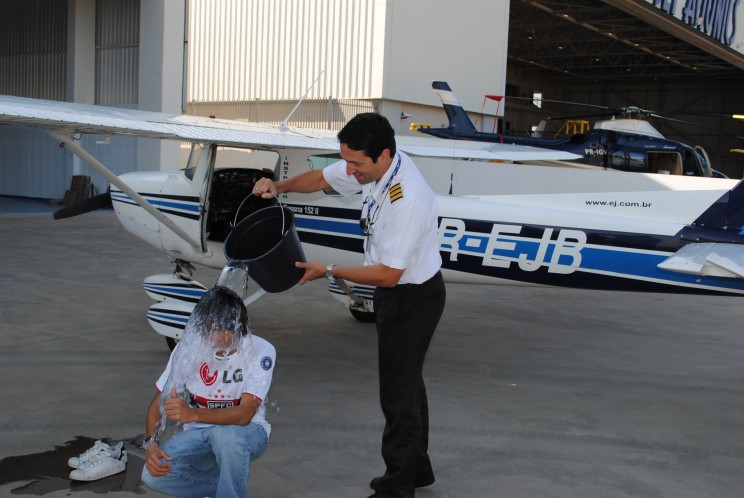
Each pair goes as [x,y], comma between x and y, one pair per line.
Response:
[218,328]
[234,276]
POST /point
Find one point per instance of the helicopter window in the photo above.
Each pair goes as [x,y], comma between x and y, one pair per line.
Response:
[629,161]
[637,161]
[321,161]
[666,163]
[618,160]
[690,163]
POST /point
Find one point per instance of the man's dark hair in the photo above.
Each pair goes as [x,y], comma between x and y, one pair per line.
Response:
[220,309]
[369,132]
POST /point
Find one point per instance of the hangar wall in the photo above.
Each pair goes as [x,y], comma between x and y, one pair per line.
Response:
[375,54]
[254,60]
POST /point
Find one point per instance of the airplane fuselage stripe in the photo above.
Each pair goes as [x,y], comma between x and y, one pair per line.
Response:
[549,259]
[177,205]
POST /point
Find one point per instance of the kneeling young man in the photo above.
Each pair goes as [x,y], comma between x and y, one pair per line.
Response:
[215,384]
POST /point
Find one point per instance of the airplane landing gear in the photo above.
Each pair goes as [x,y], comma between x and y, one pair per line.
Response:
[363,316]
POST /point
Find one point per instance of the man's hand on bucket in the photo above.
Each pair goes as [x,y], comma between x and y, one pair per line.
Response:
[313,271]
[265,188]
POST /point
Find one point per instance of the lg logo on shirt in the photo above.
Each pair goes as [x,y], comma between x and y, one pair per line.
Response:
[210,378]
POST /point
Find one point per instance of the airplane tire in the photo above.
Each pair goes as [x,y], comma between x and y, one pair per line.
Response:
[171,342]
[364,316]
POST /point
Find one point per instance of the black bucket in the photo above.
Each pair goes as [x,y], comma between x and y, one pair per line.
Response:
[267,243]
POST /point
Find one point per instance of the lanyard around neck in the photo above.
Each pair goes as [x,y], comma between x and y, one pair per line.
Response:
[384,189]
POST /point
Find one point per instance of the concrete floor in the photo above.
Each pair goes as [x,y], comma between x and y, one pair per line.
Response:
[533,392]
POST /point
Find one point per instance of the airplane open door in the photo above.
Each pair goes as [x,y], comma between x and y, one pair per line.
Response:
[183,197]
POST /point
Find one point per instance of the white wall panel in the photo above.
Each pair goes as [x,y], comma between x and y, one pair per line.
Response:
[463,43]
[275,49]
[369,49]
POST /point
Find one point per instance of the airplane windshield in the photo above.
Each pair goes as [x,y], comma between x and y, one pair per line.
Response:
[196,151]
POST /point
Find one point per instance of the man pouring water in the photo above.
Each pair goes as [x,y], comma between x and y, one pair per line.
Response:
[401,258]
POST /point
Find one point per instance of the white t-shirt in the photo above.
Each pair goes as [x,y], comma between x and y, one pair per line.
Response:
[403,218]
[221,383]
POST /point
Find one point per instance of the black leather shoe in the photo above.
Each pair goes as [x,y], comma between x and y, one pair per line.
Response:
[420,483]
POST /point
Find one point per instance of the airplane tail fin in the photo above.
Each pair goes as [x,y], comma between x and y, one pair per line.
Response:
[726,213]
[459,122]
[539,129]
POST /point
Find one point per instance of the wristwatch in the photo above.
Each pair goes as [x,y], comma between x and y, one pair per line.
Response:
[329,272]
[149,441]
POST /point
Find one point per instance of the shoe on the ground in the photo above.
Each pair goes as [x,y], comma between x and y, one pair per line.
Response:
[101,465]
[98,447]
[419,483]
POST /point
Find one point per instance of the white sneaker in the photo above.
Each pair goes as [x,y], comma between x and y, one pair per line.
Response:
[101,465]
[98,447]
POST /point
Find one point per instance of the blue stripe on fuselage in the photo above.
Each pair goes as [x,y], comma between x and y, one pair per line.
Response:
[326,225]
[190,204]
[623,262]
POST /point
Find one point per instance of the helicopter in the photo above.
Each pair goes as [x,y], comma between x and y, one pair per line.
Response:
[626,144]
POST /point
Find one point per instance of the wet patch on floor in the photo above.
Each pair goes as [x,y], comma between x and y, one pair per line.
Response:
[48,471]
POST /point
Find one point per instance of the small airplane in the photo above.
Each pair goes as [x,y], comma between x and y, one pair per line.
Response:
[503,222]
[623,144]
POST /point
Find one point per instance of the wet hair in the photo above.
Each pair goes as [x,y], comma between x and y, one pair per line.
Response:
[369,132]
[219,309]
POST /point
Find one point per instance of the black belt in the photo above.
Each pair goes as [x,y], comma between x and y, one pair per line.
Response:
[416,285]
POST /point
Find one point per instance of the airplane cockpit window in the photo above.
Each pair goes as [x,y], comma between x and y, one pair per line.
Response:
[197,149]
[321,161]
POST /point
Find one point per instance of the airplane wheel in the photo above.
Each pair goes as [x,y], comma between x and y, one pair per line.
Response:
[171,342]
[364,316]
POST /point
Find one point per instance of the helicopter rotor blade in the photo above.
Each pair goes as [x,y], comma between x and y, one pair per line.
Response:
[690,123]
[557,102]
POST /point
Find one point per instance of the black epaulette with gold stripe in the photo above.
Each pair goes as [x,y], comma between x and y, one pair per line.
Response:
[395,192]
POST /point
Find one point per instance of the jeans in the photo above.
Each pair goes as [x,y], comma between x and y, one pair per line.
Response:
[213,461]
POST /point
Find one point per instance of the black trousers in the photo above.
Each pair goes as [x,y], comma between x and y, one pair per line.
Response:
[406,318]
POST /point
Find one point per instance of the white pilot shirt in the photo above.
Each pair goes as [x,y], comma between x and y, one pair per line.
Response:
[403,219]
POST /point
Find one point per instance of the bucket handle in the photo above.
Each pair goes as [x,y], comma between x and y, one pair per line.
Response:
[235,220]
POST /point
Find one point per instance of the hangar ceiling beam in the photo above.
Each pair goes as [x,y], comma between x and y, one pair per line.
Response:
[653,16]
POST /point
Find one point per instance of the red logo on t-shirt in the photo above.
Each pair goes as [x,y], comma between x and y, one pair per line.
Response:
[206,378]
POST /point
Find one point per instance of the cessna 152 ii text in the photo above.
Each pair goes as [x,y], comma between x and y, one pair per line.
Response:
[499,222]
[626,144]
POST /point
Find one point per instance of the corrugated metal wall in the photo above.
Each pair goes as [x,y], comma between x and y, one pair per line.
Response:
[264,54]
[274,50]
[33,40]
[117,51]
[33,45]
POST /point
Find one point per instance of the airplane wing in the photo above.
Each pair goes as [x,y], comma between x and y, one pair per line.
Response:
[73,118]
[710,258]
[460,149]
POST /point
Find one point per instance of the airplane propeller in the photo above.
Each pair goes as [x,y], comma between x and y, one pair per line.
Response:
[94,203]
